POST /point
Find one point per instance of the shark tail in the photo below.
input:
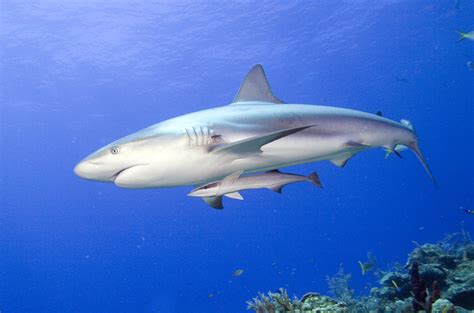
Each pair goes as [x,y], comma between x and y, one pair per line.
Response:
[314,179]
[414,147]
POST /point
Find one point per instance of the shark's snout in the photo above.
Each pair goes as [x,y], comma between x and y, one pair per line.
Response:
[84,169]
[89,170]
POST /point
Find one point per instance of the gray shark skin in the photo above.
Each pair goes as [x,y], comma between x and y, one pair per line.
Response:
[230,186]
[256,132]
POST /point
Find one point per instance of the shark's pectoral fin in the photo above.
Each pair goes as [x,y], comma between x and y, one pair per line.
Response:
[342,161]
[255,87]
[215,202]
[234,195]
[254,144]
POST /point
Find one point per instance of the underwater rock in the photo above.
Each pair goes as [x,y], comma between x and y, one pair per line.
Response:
[319,303]
[433,272]
[469,252]
[462,296]
[443,306]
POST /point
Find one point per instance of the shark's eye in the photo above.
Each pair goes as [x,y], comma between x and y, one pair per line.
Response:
[114,150]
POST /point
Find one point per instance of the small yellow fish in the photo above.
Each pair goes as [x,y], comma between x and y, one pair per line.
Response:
[237,272]
[394,283]
[362,267]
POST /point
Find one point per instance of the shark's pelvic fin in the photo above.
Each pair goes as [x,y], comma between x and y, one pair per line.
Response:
[215,202]
[234,195]
[230,179]
[341,161]
[254,144]
[255,87]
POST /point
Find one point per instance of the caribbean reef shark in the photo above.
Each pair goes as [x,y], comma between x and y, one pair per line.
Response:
[256,132]
[230,186]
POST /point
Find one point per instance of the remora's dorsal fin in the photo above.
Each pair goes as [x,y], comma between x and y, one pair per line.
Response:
[230,179]
[215,202]
[253,144]
[255,87]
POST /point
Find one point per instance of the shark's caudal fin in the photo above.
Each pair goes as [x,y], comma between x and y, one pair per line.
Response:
[414,147]
[255,87]
[314,179]
[416,150]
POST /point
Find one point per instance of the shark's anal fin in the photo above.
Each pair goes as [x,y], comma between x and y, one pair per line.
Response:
[278,188]
[234,195]
[254,144]
[214,202]
[255,87]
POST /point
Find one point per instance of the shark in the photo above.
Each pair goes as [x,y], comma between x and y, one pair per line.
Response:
[230,186]
[256,132]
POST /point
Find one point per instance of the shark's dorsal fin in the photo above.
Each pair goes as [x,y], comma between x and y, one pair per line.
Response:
[255,87]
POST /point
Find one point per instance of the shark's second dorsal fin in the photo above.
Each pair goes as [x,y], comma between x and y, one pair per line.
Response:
[255,87]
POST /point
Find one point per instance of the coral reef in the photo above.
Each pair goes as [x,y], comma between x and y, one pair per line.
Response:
[437,278]
[280,302]
[339,286]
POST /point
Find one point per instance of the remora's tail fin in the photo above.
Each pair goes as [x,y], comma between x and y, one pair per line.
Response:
[416,150]
[314,179]
[462,35]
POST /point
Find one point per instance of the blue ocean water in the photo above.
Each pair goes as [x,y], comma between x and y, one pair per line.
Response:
[78,75]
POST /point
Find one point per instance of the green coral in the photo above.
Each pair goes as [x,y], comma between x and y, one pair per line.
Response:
[274,302]
[339,286]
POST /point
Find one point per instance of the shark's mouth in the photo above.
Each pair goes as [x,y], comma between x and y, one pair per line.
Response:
[130,177]
[116,175]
